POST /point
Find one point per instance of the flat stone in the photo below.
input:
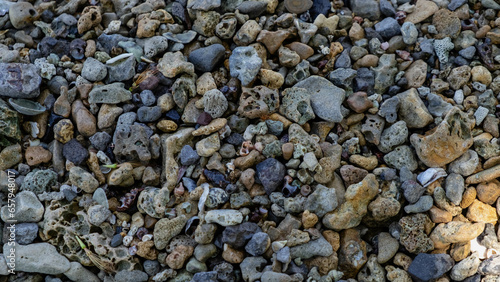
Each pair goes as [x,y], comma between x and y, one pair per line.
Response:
[109,94]
[19,80]
[412,110]
[39,258]
[326,98]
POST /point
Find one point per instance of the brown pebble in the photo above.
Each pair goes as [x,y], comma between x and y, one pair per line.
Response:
[232,255]
[359,102]
[309,219]
[484,176]
[287,149]
[439,216]
[488,192]
[178,257]
[36,155]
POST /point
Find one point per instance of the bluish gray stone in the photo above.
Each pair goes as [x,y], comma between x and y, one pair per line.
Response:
[100,140]
[388,28]
[19,80]
[426,267]
[207,58]
[271,173]
[188,155]
[326,98]
[148,114]
[244,63]
[93,70]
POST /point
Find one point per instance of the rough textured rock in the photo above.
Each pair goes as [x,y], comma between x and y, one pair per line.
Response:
[448,141]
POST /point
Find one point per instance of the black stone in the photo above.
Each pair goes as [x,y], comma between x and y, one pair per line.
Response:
[75,152]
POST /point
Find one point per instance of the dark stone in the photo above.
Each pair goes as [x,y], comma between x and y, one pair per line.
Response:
[69,195]
[343,60]
[271,173]
[173,115]
[455,4]
[148,114]
[258,245]
[238,235]
[320,7]
[364,81]
[207,58]
[122,70]
[426,267]
[252,8]
[151,267]
[235,139]
[204,118]
[210,276]
[74,152]
[387,9]
[116,241]
[188,155]
[342,77]
[412,191]
[106,42]
[225,272]
[132,145]
[366,9]
[388,28]
[100,140]
[51,45]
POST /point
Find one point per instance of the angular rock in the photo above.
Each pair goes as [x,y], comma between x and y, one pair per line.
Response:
[326,98]
[445,143]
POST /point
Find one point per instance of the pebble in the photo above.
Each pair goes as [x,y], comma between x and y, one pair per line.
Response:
[94,70]
[36,155]
[244,64]
[206,59]
[51,262]
[430,266]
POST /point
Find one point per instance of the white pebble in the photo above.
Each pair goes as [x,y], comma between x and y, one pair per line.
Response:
[459,97]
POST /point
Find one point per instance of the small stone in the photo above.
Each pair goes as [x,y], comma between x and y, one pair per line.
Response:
[481,212]
[206,59]
[409,32]
[441,153]
[94,70]
[97,214]
[224,217]
[271,173]
[423,10]
[173,64]
[36,155]
[75,152]
[113,93]
[166,229]
[426,267]
[215,103]
[465,268]
[244,64]
[178,257]
[39,258]
[83,180]
[28,209]
[258,245]
[10,156]
[402,156]
[387,247]
[63,131]
[26,83]
[208,146]
[388,28]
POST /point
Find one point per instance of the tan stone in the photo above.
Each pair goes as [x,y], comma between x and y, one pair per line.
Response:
[368,163]
[481,212]
[439,216]
[271,79]
[416,74]
[147,250]
[423,10]
[468,197]
[459,251]
[107,115]
[85,120]
[213,126]
[446,142]
[488,192]
[167,125]
[232,255]
[272,39]
[351,243]
[455,232]
[481,74]
[357,197]
[309,219]
[302,49]
[412,110]
[10,156]
[36,155]
[178,257]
